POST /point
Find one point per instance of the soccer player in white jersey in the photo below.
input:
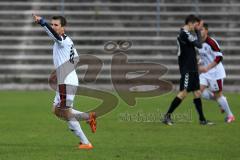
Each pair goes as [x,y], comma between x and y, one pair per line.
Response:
[64,52]
[213,73]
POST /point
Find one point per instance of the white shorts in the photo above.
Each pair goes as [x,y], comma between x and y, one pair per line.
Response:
[65,96]
[214,85]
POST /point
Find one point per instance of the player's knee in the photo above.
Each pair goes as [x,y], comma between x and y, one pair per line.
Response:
[207,94]
[55,111]
[217,94]
[202,88]
[182,94]
[59,113]
[197,94]
[63,113]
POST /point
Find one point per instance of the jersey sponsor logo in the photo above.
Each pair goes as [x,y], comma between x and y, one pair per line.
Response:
[205,48]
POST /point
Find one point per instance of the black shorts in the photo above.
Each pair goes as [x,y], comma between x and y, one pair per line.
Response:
[190,82]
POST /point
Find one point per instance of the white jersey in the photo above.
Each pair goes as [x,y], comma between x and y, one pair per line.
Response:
[63,53]
[209,53]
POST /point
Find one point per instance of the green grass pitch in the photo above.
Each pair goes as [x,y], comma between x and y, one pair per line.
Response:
[28,131]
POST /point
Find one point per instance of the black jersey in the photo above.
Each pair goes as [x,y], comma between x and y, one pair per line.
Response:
[187,58]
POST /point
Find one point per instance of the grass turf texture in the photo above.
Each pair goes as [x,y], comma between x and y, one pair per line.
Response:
[28,131]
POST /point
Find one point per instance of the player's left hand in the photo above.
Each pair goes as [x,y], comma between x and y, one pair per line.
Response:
[36,18]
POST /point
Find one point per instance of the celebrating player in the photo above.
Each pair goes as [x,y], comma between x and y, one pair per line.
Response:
[187,60]
[64,51]
[214,73]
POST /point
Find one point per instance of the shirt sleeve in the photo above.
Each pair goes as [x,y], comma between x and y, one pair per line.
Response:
[195,40]
[218,56]
[51,33]
[215,49]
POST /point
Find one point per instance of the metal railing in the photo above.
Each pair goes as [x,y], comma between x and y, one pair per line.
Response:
[62,7]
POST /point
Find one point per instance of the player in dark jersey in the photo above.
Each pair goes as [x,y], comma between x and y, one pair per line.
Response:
[188,66]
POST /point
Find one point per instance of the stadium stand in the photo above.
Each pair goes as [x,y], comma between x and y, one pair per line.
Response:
[25,50]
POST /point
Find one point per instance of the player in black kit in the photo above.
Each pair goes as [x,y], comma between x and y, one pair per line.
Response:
[188,66]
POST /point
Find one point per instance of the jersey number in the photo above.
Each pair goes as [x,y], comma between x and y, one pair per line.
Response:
[71,59]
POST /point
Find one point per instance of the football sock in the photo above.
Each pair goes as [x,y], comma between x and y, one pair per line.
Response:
[74,125]
[80,115]
[206,94]
[198,105]
[175,103]
[224,103]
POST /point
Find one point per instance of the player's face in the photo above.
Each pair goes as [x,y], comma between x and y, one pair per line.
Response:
[56,25]
[195,25]
[191,26]
[204,32]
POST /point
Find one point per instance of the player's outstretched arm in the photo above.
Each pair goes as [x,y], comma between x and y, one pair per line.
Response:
[48,28]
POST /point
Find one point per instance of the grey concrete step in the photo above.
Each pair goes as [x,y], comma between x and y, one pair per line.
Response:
[112,14]
[115,29]
[101,76]
[117,21]
[102,79]
[99,40]
[114,3]
[100,47]
[106,66]
[47,59]
[108,38]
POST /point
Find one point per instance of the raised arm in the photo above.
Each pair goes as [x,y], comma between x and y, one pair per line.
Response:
[48,28]
[196,40]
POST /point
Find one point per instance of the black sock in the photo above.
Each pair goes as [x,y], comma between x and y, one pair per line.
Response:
[175,103]
[198,105]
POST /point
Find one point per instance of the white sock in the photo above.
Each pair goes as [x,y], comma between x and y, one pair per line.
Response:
[80,115]
[206,94]
[74,125]
[222,101]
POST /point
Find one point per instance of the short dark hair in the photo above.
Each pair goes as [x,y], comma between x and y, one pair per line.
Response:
[205,25]
[191,18]
[62,19]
